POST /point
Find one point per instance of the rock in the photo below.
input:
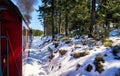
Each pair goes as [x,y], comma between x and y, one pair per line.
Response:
[97,47]
[78,66]
[52,67]
[68,41]
[117,58]
[98,65]
[95,50]
[90,48]
[59,66]
[51,57]
[89,68]
[56,44]
[62,52]
[105,55]
[76,46]
[99,58]
[55,51]
[116,51]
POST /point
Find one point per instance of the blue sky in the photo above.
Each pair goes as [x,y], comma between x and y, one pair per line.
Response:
[35,24]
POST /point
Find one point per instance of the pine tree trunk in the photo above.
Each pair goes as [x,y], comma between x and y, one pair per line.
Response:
[59,23]
[106,20]
[44,28]
[66,25]
[52,19]
[66,20]
[92,22]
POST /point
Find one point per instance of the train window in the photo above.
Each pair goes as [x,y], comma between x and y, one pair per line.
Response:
[25,42]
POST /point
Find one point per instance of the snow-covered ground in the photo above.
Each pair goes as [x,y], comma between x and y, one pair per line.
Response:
[40,64]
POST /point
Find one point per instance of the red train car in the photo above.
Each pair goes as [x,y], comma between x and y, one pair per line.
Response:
[10,39]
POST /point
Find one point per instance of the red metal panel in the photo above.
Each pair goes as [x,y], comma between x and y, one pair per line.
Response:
[12,29]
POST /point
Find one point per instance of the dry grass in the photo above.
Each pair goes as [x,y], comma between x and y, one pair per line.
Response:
[107,43]
[79,54]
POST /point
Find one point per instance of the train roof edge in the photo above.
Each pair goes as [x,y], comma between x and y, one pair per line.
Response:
[16,9]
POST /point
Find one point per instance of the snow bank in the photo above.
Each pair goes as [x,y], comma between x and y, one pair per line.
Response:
[39,64]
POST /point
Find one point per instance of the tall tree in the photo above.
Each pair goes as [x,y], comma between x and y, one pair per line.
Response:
[92,22]
[66,18]
[59,9]
[52,5]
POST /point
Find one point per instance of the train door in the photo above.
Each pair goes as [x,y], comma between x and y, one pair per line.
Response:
[4,62]
[4,66]
[0,51]
[11,41]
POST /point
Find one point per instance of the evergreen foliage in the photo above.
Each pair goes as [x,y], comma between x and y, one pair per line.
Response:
[77,15]
[37,32]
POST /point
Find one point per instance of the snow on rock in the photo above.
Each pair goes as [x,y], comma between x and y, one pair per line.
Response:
[40,64]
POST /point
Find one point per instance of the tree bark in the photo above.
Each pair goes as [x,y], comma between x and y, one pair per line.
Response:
[92,22]
[66,20]
[52,3]
[44,28]
[59,23]
[106,19]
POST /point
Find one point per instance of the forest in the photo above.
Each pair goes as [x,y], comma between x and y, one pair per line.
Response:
[77,17]
[36,32]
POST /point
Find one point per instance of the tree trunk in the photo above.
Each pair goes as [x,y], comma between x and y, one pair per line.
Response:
[44,28]
[66,25]
[59,23]
[92,22]
[52,3]
[66,20]
[106,19]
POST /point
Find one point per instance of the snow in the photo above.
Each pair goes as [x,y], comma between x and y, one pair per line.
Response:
[39,64]
[34,69]
[114,32]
